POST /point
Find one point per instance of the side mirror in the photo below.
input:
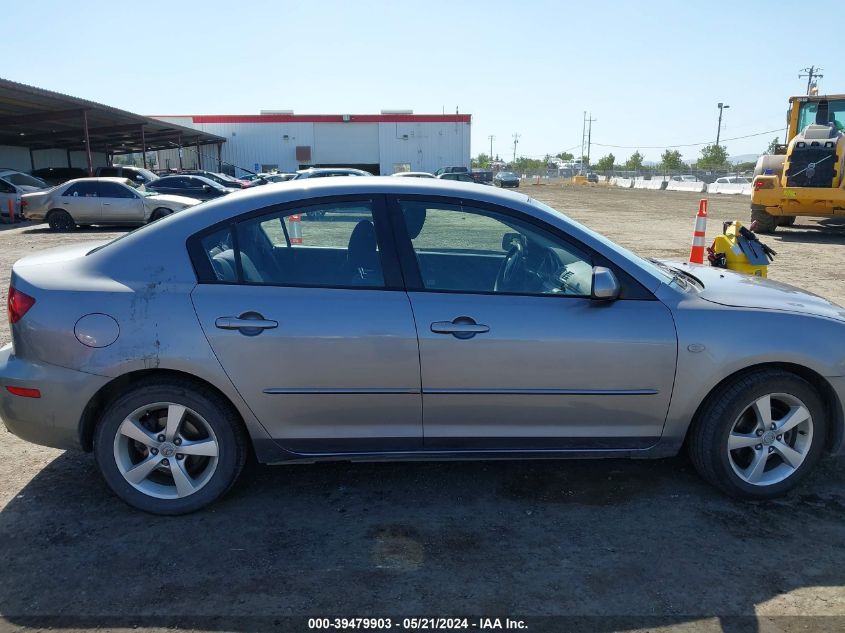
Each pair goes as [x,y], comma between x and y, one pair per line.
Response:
[605,285]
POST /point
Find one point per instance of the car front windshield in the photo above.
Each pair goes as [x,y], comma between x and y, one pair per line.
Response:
[24,180]
[507,174]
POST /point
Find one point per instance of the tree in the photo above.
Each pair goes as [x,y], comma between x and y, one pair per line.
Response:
[482,160]
[713,156]
[671,160]
[525,165]
[564,156]
[635,162]
[606,163]
[773,145]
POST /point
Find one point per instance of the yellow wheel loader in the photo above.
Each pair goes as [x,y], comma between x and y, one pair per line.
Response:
[806,176]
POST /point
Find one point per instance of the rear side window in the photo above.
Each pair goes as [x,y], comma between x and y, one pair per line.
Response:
[108,172]
[114,190]
[329,245]
[86,189]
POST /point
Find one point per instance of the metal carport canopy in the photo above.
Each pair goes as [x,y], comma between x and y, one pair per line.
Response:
[42,119]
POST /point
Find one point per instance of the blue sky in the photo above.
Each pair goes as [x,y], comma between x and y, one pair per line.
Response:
[651,73]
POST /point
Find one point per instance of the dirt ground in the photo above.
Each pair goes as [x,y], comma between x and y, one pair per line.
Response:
[611,545]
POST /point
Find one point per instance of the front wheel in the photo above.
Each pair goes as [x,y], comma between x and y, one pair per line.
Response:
[159,213]
[170,447]
[766,223]
[758,437]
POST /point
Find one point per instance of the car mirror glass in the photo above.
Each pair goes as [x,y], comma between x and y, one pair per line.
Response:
[605,285]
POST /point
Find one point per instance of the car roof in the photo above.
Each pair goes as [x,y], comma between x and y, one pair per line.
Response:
[197,176]
[117,179]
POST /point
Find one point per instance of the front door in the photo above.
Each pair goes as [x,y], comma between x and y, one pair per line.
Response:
[121,205]
[514,354]
[309,320]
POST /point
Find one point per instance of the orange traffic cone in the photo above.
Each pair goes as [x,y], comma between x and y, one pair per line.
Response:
[295,222]
[696,254]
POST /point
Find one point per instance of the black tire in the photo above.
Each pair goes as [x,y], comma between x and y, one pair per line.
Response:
[60,220]
[159,213]
[217,412]
[709,433]
[786,220]
[766,223]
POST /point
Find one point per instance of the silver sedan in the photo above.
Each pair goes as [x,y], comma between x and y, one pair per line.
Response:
[420,320]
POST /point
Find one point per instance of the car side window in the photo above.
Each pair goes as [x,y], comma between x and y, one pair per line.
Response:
[114,190]
[461,248]
[326,245]
[5,187]
[85,189]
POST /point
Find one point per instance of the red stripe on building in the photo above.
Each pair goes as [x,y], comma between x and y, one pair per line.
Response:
[321,118]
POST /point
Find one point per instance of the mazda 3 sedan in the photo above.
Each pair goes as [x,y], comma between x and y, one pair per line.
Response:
[421,320]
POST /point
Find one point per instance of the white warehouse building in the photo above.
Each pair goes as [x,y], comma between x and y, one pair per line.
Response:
[283,141]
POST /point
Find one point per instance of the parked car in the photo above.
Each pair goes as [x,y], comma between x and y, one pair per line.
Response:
[506,179]
[191,186]
[494,322]
[329,172]
[138,175]
[13,185]
[483,176]
[88,201]
[592,177]
[221,179]
[280,177]
[413,174]
[685,178]
[57,175]
[455,169]
[733,180]
[457,176]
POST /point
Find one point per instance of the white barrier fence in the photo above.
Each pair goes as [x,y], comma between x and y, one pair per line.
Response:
[654,184]
[729,188]
[680,185]
[625,183]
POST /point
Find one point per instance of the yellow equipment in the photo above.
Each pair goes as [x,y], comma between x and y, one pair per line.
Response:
[739,249]
[807,175]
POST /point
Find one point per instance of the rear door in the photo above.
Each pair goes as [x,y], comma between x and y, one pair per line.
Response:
[120,204]
[311,322]
[82,201]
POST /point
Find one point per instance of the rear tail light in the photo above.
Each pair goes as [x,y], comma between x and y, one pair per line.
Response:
[25,392]
[19,304]
[763,184]
[24,204]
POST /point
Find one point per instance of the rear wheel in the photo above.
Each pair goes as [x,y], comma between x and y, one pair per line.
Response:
[759,436]
[766,223]
[170,447]
[60,220]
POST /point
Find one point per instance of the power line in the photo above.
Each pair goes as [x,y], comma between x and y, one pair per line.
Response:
[735,138]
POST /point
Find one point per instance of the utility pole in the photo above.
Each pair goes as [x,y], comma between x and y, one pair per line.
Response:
[812,73]
[583,136]
[589,140]
[721,107]
[515,141]
[491,137]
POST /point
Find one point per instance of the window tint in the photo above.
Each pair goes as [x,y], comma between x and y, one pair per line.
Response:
[218,248]
[85,189]
[465,249]
[171,183]
[115,190]
[5,187]
[193,183]
[320,245]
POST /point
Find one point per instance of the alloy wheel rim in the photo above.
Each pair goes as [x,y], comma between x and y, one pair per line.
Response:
[770,439]
[166,450]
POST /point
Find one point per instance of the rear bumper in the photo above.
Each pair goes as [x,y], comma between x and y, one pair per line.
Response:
[53,419]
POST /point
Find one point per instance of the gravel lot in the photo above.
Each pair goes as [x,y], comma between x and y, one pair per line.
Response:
[644,540]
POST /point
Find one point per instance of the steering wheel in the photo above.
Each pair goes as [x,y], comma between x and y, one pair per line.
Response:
[512,270]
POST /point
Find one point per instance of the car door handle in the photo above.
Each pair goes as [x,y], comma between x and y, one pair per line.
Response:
[244,322]
[461,327]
